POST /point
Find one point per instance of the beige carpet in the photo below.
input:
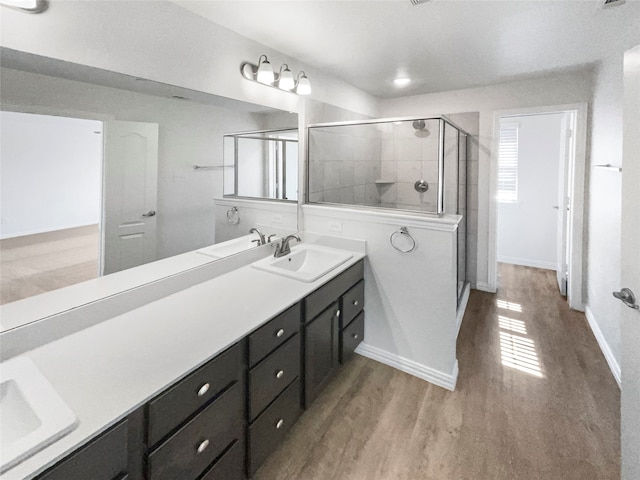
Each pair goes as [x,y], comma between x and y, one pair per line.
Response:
[39,263]
[535,401]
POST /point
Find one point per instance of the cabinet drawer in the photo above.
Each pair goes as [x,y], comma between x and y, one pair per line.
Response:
[272,425]
[267,338]
[104,458]
[351,337]
[185,455]
[178,403]
[317,301]
[352,303]
[231,466]
[272,375]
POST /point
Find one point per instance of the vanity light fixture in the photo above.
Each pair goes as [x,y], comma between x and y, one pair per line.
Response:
[265,72]
[283,80]
[303,87]
[29,6]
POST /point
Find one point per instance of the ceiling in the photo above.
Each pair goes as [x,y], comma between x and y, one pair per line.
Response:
[441,44]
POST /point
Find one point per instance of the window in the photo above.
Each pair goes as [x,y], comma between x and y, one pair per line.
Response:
[508,163]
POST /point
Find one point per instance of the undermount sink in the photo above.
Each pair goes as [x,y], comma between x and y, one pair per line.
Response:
[32,414]
[306,262]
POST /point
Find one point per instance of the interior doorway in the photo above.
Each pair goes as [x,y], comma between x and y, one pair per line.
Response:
[50,202]
[537,186]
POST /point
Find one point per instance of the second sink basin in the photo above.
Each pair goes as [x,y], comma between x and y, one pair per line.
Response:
[306,262]
[32,415]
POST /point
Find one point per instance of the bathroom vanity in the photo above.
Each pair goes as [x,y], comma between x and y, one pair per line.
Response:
[187,388]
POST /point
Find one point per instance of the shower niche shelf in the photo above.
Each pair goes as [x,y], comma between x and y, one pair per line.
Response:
[384,182]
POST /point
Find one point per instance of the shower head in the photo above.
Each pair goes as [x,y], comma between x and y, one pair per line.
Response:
[420,128]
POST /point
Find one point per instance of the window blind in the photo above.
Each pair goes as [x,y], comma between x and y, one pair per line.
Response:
[508,164]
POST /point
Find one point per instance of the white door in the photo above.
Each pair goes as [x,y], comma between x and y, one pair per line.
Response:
[129,195]
[630,277]
[566,159]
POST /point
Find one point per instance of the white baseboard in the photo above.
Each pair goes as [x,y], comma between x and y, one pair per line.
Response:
[484,287]
[527,262]
[604,346]
[423,372]
[37,231]
[462,307]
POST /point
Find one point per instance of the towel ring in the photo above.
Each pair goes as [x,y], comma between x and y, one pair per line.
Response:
[232,216]
[404,233]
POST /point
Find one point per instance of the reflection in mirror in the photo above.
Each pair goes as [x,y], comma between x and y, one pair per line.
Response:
[99,172]
[262,164]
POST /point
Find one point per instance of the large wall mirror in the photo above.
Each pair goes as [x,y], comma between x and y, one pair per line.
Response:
[102,172]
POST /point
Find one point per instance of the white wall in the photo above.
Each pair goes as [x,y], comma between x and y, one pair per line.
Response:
[410,299]
[160,41]
[190,134]
[527,229]
[568,88]
[51,173]
[604,214]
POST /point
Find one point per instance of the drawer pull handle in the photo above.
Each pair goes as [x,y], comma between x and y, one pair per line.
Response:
[203,446]
[280,332]
[279,424]
[337,313]
[355,303]
[355,336]
[280,374]
[203,389]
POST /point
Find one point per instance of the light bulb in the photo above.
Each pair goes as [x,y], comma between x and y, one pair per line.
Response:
[286,81]
[303,86]
[265,72]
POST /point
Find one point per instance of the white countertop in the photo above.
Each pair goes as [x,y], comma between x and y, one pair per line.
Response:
[108,370]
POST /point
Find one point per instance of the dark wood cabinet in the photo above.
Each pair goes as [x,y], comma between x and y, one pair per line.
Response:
[230,465]
[273,375]
[327,311]
[104,458]
[171,408]
[320,351]
[270,336]
[188,452]
[350,338]
[270,428]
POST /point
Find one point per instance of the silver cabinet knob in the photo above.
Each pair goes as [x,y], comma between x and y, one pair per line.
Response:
[279,424]
[355,303]
[279,373]
[280,332]
[150,213]
[203,446]
[203,389]
[337,313]
[355,336]
[627,297]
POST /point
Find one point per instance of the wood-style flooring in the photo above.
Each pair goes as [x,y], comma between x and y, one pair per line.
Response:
[35,264]
[535,400]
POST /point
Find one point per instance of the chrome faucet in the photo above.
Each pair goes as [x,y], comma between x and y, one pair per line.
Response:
[261,240]
[283,248]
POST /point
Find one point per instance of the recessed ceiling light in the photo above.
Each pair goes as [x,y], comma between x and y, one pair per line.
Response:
[401,82]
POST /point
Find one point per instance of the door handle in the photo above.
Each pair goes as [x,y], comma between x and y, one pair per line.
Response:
[150,213]
[627,297]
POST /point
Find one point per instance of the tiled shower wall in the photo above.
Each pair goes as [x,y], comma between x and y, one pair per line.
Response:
[409,155]
[344,165]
